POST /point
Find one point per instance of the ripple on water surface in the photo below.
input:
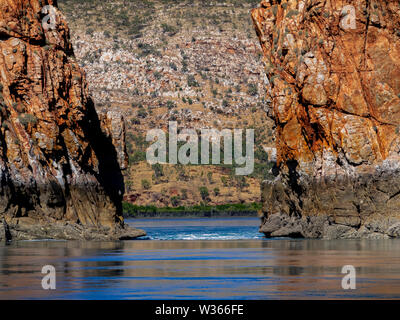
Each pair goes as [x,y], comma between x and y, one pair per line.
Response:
[248,267]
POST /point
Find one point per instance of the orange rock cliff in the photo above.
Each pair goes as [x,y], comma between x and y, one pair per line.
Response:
[60,174]
[333,81]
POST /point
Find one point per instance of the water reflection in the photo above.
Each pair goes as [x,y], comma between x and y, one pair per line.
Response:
[248,269]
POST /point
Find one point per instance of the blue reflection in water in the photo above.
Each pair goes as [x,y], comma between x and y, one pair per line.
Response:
[176,262]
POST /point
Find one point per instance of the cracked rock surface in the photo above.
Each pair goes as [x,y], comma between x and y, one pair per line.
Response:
[60,174]
[335,93]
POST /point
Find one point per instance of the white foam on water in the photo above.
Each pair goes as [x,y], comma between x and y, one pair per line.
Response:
[200,229]
[205,236]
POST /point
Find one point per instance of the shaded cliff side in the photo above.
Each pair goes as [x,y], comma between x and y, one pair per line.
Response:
[333,79]
[60,174]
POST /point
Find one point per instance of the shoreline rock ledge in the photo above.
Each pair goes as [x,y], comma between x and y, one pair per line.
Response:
[60,173]
[333,80]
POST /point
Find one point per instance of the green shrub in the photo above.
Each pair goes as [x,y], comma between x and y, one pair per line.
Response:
[170,105]
[191,81]
[173,66]
[137,157]
[25,119]
[184,195]
[204,193]
[146,184]
[292,13]
[171,30]
[184,66]
[158,170]
[252,89]
[157,75]
[142,113]
[175,201]
[147,49]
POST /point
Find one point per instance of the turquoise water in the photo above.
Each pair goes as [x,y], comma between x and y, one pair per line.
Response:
[235,263]
[200,229]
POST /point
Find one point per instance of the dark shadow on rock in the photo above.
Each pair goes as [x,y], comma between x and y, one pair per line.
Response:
[109,176]
[7,233]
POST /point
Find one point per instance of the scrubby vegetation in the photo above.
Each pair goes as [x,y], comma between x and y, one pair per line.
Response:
[238,209]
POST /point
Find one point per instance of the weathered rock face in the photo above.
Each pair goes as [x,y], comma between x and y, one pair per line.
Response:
[57,166]
[334,87]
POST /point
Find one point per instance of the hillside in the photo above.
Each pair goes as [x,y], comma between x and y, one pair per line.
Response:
[196,62]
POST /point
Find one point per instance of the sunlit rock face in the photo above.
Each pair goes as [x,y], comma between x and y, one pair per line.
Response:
[60,173]
[333,80]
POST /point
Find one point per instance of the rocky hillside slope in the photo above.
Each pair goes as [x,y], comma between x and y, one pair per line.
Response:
[60,175]
[335,92]
[197,62]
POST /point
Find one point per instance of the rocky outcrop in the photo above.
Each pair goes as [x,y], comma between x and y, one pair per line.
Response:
[334,85]
[60,174]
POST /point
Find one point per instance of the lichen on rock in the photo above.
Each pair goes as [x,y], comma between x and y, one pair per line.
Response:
[335,92]
[60,174]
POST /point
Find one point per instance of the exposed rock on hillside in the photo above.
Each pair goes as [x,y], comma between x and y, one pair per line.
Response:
[60,173]
[335,92]
[197,62]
